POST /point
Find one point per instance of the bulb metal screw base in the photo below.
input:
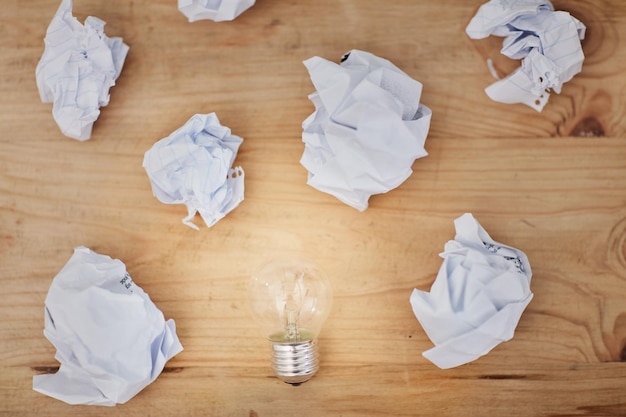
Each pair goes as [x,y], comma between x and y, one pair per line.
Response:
[295,362]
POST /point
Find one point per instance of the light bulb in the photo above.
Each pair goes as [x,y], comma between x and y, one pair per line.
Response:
[291,300]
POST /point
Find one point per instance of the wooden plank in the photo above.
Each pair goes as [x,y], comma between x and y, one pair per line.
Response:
[569,220]
[524,175]
[250,70]
[552,390]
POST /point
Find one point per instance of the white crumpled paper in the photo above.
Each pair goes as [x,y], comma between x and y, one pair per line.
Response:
[216,10]
[547,41]
[367,129]
[192,166]
[477,299]
[111,340]
[78,67]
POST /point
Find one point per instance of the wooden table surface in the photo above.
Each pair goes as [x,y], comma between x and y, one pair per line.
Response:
[552,184]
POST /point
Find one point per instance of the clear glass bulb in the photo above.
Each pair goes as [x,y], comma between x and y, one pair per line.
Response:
[291,299]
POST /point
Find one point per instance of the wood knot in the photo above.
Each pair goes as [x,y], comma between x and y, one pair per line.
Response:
[173,369]
[622,357]
[45,369]
[617,249]
[588,127]
[602,37]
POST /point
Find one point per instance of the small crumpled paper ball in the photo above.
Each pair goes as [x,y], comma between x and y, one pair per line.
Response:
[477,299]
[367,129]
[111,339]
[216,10]
[78,67]
[547,42]
[192,166]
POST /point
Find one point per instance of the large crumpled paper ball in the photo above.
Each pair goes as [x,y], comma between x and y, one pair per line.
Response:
[216,10]
[477,299]
[367,129]
[193,166]
[78,67]
[111,339]
[547,42]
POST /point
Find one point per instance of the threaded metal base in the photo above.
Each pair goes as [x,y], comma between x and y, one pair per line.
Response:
[295,362]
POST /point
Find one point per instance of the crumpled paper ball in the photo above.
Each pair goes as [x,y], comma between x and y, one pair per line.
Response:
[193,166]
[112,341]
[216,10]
[547,42]
[367,129]
[78,67]
[477,299]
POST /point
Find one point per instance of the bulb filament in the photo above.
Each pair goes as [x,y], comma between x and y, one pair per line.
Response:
[295,292]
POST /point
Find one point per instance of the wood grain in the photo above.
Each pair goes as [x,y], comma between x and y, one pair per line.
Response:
[552,184]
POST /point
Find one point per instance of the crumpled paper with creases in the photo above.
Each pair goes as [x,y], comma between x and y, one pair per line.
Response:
[78,67]
[192,166]
[216,10]
[111,340]
[547,42]
[367,129]
[477,299]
